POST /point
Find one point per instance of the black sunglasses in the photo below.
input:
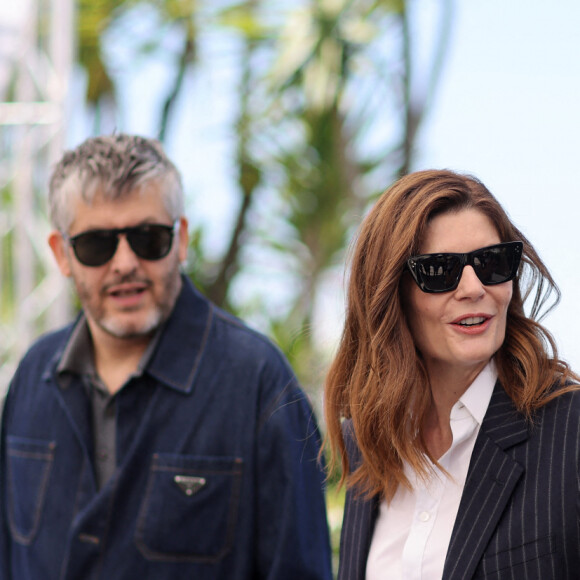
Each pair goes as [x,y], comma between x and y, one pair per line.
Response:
[148,241]
[441,272]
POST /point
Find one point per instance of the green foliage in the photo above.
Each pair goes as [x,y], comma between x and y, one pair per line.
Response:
[242,18]
[93,18]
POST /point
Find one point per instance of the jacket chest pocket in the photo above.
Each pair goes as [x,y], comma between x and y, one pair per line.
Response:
[190,508]
[28,466]
[533,560]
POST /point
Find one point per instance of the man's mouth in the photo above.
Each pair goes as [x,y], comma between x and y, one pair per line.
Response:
[127,292]
[127,289]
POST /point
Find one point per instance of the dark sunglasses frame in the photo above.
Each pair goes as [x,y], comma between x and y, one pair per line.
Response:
[150,242]
[454,263]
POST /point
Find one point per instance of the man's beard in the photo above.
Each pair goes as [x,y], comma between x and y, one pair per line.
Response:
[113,323]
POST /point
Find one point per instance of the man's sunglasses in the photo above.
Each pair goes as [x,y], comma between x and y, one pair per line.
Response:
[148,241]
[441,272]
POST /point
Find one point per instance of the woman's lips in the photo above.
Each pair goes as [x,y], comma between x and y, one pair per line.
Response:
[472,323]
[472,320]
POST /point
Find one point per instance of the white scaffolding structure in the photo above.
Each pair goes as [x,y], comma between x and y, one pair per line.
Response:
[36,53]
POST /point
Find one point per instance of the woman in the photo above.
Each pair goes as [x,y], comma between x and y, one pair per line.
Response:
[461,440]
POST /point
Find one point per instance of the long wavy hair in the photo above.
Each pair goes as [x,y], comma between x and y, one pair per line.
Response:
[378,379]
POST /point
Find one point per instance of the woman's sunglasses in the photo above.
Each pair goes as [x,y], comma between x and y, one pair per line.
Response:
[148,241]
[441,272]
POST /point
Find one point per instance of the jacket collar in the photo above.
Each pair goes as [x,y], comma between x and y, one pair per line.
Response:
[503,423]
[491,480]
[178,354]
[182,344]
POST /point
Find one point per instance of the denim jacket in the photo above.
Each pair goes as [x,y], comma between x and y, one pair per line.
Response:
[218,476]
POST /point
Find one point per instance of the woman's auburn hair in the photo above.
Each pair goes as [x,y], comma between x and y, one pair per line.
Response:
[377,378]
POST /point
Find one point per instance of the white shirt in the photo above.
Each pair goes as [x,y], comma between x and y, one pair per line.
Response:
[412,533]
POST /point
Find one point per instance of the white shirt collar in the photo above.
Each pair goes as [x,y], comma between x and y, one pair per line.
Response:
[476,398]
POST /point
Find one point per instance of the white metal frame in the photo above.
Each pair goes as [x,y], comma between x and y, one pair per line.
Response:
[36,55]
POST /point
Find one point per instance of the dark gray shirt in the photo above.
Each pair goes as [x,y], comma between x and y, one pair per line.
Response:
[78,358]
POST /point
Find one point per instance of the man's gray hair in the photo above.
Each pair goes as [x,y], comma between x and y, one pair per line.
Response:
[112,167]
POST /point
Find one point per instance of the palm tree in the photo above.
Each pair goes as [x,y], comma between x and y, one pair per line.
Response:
[328,106]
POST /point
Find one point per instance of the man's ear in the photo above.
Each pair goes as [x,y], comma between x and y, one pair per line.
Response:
[58,246]
[183,239]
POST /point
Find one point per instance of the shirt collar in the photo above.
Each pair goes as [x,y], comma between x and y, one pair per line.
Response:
[78,351]
[78,356]
[476,398]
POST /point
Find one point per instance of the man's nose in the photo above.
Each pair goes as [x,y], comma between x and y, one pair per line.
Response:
[124,259]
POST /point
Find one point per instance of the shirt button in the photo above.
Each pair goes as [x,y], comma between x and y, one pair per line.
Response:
[424,516]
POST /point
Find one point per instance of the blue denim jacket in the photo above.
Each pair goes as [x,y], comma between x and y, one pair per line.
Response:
[218,480]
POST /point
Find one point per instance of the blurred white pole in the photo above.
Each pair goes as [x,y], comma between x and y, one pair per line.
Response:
[35,72]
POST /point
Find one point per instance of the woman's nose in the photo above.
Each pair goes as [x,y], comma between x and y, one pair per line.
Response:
[470,286]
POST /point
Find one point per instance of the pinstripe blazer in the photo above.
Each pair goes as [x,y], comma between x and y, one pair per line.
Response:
[518,518]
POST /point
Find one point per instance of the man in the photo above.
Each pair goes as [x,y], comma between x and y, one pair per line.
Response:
[157,437]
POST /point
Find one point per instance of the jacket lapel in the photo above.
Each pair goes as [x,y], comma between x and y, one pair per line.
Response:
[491,480]
[179,353]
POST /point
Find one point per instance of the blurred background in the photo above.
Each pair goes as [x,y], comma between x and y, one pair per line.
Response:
[287,118]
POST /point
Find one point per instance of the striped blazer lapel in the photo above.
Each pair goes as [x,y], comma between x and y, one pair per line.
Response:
[491,480]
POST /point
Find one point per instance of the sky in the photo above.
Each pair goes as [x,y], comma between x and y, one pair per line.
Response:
[508,111]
